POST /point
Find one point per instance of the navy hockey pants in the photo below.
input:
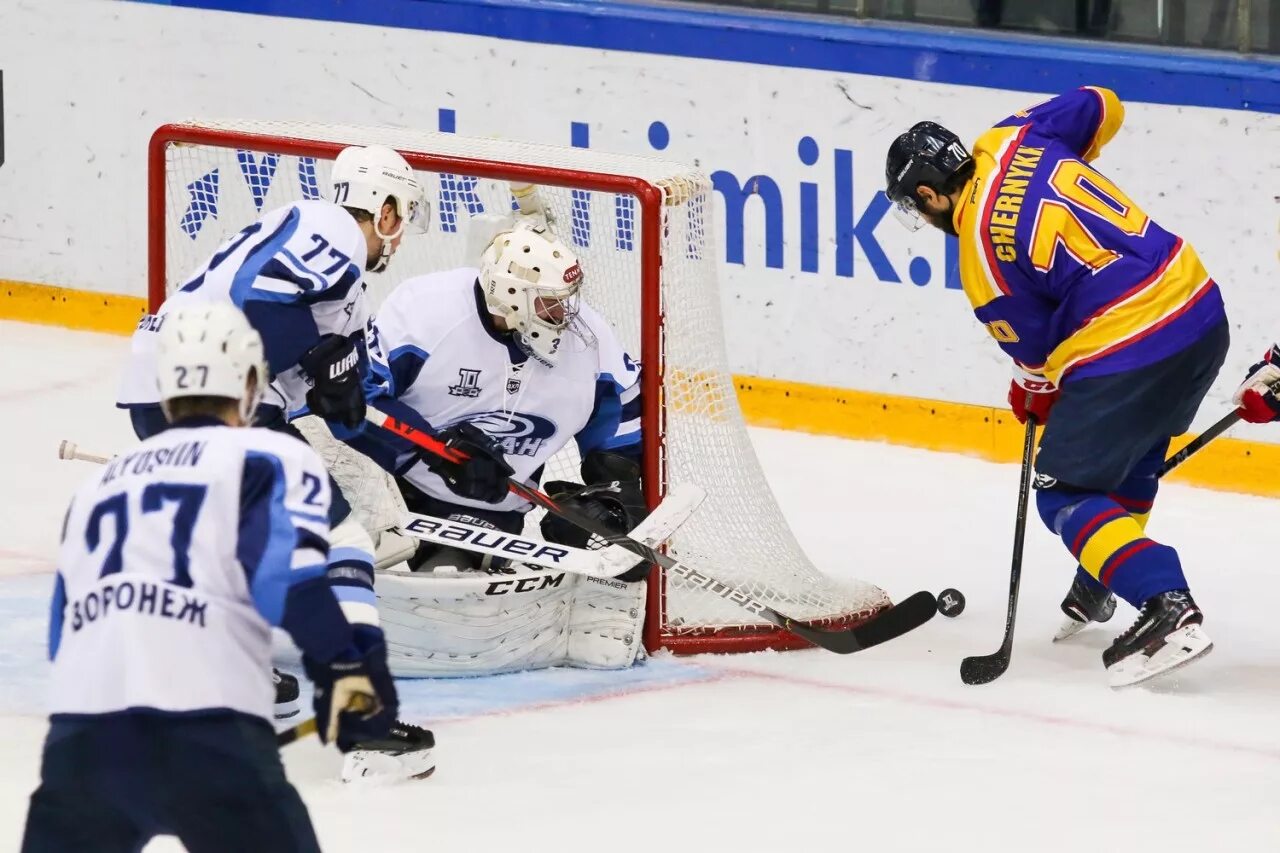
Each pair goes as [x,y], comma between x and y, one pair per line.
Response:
[110,784]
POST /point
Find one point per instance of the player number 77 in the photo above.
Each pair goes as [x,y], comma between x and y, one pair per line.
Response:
[907,615]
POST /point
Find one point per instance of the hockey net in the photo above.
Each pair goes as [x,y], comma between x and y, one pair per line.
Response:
[643,230]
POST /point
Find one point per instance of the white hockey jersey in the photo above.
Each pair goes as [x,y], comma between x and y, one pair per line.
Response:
[434,348]
[297,273]
[175,562]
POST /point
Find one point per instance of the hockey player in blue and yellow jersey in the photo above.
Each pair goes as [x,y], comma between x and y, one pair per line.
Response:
[176,561]
[1110,320]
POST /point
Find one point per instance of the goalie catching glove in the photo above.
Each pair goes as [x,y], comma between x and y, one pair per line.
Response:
[616,503]
[336,393]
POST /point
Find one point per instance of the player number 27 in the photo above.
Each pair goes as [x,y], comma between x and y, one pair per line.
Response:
[1059,224]
[189,497]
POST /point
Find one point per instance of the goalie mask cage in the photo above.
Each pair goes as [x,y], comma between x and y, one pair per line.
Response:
[642,228]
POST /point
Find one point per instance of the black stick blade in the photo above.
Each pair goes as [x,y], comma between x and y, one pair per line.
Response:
[906,615]
[984,669]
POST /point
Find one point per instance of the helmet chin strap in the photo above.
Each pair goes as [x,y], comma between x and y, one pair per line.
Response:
[384,257]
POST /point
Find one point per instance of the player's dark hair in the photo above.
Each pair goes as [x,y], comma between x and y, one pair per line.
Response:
[181,408]
[366,216]
[957,179]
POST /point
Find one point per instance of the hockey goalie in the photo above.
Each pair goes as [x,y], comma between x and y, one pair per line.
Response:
[507,364]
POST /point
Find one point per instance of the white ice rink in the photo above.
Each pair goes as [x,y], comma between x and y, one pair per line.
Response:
[880,751]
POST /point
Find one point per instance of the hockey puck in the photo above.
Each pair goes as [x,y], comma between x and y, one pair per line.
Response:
[950,602]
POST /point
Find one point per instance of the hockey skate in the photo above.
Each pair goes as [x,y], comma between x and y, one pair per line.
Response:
[287,693]
[405,753]
[1167,635]
[1085,602]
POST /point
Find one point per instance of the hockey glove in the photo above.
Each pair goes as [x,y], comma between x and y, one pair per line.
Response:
[1031,393]
[1256,396]
[483,475]
[336,393]
[599,503]
[355,698]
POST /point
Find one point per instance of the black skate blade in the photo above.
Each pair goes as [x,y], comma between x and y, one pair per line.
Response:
[984,669]
[906,615]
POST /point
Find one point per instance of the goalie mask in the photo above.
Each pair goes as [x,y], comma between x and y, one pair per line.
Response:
[367,178]
[210,350]
[531,280]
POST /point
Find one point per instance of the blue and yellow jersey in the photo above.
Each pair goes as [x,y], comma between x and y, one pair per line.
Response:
[1063,269]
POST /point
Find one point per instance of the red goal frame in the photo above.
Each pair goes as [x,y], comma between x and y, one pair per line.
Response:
[653,422]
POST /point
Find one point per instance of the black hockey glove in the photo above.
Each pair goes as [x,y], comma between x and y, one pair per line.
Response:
[617,505]
[481,477]
[355,698]
[334,368]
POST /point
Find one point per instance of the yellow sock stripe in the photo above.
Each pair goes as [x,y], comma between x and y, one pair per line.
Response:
[982,431]
[1108,539]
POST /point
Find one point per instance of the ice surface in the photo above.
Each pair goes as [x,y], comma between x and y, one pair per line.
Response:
[884,750]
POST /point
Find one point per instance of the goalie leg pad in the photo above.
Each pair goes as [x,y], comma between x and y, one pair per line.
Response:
[606,624]
[480,624]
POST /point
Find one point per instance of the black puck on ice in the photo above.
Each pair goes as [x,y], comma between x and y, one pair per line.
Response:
[950,602]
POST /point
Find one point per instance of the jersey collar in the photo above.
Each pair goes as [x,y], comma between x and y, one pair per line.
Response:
[506,338]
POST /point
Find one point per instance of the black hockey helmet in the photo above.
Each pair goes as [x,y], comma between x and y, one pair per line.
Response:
[926,154]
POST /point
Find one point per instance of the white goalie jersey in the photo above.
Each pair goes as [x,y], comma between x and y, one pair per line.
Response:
[296,273]
[434,349]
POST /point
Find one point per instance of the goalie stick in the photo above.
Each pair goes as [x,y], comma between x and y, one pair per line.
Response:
[608,562]
[897,620]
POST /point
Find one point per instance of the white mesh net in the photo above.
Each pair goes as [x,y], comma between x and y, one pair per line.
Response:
[739,534]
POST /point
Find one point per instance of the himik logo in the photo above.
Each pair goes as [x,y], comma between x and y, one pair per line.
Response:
[851,227]
[519,434]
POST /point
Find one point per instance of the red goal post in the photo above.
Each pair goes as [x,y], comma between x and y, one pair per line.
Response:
[649,284]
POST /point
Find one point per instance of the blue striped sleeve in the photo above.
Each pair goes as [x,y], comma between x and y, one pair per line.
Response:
[615,420]
[274,553]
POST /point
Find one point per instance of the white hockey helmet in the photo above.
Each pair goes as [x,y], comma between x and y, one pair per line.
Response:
[210,350]
[531,280]
[363,179]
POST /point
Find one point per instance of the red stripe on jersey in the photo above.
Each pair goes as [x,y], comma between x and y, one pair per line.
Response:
[984,224]
[1143,285]
[1119,345]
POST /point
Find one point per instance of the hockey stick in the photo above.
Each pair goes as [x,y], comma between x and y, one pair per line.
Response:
[983,669]
[905,616]
[306,728]
[609,562]
[1227,422]
[68,450]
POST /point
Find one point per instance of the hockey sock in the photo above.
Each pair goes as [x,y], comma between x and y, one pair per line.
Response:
[1136,495]
[350,572]
[1110,545]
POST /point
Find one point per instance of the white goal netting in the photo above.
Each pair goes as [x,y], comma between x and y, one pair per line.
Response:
[215,186]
